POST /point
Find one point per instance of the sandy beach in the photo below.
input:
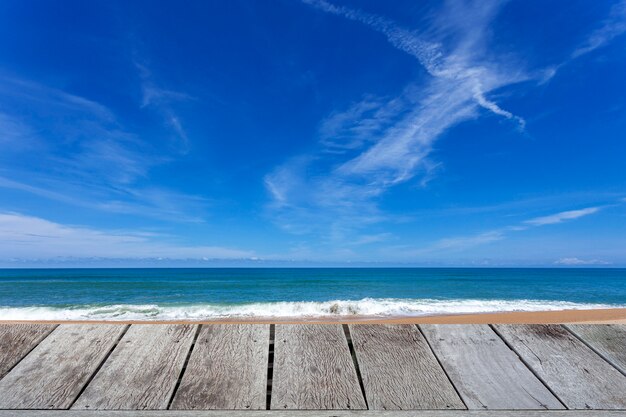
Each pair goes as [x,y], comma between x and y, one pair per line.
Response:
[595,316]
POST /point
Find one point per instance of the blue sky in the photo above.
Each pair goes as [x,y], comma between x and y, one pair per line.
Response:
[423,133]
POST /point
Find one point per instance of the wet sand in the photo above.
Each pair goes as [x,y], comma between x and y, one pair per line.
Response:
[595,316]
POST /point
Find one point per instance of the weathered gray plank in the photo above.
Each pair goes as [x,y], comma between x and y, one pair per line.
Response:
[142,371]
[52,375]
[227,369]
[16,340]
[487,374]
[316,413]
[313,369]
[609,340]
[399,370]
[579,377]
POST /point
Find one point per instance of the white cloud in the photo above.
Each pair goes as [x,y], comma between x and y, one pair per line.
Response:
[39,95]
[378,143]
[562,216]
[86,158]
[577,261]
[14,134]
[464,242]
[161,100]
[612,27]
[155,203]
[351,128]
[82,137]
[23,236]
[493,107]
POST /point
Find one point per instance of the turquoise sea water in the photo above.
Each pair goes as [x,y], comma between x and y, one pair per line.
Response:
[296,292]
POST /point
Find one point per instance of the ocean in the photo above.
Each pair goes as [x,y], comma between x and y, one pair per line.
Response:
[214,293]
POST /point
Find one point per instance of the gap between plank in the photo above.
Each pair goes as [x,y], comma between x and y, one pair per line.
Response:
[27,353]
[419,329]
[530,368]
[184,368]
[106,357]
[270,368]
[346,331]
[597,352]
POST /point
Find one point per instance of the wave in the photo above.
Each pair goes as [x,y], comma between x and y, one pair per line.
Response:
[367,307]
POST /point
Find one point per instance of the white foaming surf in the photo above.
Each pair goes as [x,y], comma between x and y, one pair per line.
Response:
[367,307]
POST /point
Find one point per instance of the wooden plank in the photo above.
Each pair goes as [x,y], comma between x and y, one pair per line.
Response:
[227,369]
[487,374]
[315,413]
[609,340]
[313,369]
[142,371]
[399,370]
[16,340]
[53,374]
[578,376]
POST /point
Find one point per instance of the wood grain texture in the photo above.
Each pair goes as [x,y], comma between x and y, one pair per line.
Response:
[399,370]
[53,374]
[16,340]
[576,374]
[609,340]
[313,369]
[142,371]
[487,374]
[227,369]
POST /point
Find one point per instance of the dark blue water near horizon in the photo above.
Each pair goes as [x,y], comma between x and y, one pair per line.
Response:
[203,293]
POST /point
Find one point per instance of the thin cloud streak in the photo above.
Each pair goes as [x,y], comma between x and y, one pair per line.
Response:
[154,203]
[85,130]
[160,99]
[612,27]
[87,157]
[21,236]
[562,216]
[466,242]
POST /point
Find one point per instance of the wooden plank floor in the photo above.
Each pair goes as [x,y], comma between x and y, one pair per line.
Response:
[399,370]
[486,372]
[575,373]
[237,380]
[107,370]
[313,369]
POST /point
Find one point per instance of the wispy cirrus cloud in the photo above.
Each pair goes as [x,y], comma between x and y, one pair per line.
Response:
[21,236]
[562,216]
[162,99]
[482,238]
[464,242]
[150,202]
[79,135]
[70,149]
[613,26]
[378,143]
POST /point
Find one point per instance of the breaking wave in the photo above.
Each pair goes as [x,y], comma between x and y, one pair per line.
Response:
[367,307]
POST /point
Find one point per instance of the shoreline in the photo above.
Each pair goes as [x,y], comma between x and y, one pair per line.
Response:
[590,316]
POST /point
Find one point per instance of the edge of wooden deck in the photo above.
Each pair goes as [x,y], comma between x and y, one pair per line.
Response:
[588,316]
